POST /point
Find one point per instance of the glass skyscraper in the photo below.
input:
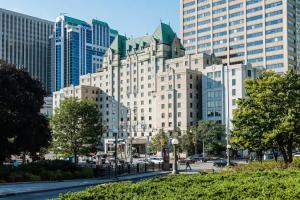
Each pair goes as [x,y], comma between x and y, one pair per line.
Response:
[263,33]
[78,49]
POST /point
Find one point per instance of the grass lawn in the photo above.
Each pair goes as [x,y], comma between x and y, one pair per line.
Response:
[269,184]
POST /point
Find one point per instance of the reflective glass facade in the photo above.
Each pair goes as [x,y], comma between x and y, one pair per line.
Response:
[79,49]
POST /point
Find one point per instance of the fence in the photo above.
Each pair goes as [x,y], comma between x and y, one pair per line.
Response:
[107,171]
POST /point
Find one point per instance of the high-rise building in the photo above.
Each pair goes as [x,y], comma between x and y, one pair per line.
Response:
[222,86]
[158,86]
[24,42]
[78,49]
[263,33]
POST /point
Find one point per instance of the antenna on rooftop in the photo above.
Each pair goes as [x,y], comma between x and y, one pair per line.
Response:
[62,13]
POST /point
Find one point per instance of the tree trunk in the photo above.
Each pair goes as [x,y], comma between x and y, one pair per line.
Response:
[284,155]
[290,150]
[24,158]
[275,154]
[2,159]
[75,157]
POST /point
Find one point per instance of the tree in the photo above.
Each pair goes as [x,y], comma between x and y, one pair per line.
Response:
[159,141]
[23,128]
[269,116]
[211,134]
[77,127]
[187,142]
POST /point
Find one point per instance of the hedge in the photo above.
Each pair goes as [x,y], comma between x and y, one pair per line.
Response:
[230,185]
[44,171]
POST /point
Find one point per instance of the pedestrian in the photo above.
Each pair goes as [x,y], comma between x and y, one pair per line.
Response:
[187,164]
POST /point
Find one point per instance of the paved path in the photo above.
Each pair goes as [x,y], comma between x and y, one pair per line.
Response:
[7,190]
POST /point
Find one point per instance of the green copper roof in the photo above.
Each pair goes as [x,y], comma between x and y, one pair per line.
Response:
[113,31]
[119,45]
[75,21]
[98,22]
[163,34]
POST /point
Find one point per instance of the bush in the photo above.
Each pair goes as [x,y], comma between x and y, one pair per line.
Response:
[87,173]
[31,177]
[274,184]
[44,170]
[260,166]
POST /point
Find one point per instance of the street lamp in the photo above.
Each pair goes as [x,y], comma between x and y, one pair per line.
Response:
[174,143]
[228,147]
[115,132]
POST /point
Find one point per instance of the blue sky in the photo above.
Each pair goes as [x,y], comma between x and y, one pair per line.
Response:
[130,17]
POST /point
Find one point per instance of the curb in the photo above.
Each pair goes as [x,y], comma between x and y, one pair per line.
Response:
[113,180]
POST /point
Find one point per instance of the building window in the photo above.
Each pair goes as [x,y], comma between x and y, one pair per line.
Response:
[233,92]
[233,72]
[233,82]
[249,73]
[233,102]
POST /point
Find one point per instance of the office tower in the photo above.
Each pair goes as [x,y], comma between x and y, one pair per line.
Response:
[256,32]
[157,85]
[222,86]
[24,42]
[79,48]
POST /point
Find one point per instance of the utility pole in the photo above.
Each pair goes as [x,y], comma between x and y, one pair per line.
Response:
[227,120]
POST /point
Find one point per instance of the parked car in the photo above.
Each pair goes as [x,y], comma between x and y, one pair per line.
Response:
[143,161]
[119,161]
[223,163]
[196,157]
[296,154]
[156,160]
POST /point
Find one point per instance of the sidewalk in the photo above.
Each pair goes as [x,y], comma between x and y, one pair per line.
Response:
[37,187]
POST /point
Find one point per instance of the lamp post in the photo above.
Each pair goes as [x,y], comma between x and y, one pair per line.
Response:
[228,147]
[174,143]
[115,132]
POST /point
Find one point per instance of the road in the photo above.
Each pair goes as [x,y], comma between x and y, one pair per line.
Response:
[55,194]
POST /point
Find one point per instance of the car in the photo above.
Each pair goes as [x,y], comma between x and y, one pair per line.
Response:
[195,158]
[119,161]
[223,163]
[143,161]
[156,160]
[296,154]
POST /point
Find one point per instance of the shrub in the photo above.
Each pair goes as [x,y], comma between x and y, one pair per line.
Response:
[16,177]
[264,185]
[31,177]
[87,173]
[44,170]
[260,166]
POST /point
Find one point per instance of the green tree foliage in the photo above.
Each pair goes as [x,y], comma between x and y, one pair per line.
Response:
[159,141]
[77,127]
[212,134]
[187,142]
[269,116]
[23,128]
